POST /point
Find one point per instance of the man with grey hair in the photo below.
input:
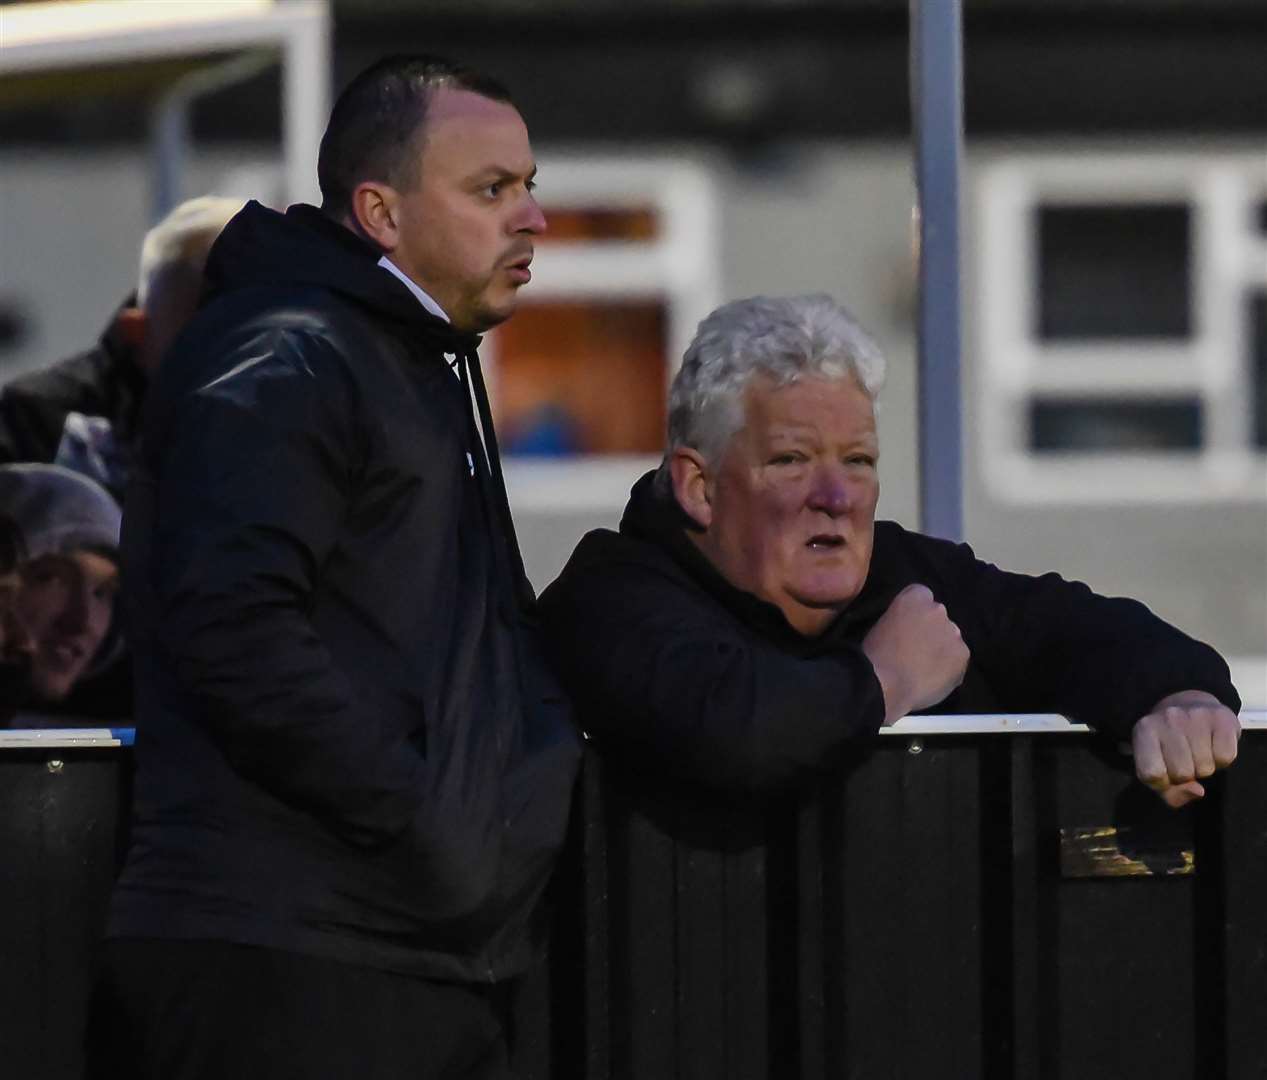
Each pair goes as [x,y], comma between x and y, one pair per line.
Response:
[84,412]
[751,617]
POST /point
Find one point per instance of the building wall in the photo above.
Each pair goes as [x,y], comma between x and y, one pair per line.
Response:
[816,216]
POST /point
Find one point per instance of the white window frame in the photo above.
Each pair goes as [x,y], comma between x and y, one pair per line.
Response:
[40,37]
[678,267]
[1229,258]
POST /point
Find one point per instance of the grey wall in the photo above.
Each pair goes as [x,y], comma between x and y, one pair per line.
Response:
[70,227]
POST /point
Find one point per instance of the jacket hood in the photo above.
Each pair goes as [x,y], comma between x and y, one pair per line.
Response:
[304,247]
[653,514]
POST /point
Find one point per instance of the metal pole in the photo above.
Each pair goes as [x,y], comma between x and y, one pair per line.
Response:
[937,109]
[169,122]
[306,74]
[169,150]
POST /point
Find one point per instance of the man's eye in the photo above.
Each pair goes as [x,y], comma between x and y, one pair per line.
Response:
[861,459]
[493,190]
[786,459]
[531,185]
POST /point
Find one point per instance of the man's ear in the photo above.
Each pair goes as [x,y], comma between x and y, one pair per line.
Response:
[689,471]
[375,214]
[130,325]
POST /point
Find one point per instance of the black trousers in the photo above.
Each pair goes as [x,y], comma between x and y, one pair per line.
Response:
[211,1010]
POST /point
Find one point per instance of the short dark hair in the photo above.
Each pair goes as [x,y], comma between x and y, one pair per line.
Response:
[376,123]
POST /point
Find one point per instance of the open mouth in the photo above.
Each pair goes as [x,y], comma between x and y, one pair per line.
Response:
[825,542]
[519,271]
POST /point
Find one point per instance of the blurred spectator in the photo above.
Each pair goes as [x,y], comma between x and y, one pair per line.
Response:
[547,431]
[58,578]
[83,412]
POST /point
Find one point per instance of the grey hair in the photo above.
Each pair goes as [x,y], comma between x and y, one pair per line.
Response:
[784,338]
[180,242]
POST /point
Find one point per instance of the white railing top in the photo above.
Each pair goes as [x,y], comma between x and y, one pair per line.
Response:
[908,726]
[64,738]
[1020,724]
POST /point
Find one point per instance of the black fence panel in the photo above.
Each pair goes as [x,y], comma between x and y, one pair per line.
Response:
[59,850]
[1014,906]
[949,906]
[1241,930]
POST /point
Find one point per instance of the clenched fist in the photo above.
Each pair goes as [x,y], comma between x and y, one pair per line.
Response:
[917,652]
[1182,741]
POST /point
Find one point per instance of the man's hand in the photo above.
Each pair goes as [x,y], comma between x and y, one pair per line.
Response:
[917,652]
[1181,741]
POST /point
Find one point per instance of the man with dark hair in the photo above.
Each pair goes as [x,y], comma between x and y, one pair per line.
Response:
[353,771]
[375,124]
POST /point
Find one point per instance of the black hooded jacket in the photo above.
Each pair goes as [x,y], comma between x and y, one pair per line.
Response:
[684,673]
[347,744]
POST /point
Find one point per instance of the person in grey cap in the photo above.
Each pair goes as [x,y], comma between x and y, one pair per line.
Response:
[61,541]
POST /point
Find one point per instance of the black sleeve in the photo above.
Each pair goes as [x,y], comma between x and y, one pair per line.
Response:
[654,664]
[1051,645]
[254,478]
[29,429]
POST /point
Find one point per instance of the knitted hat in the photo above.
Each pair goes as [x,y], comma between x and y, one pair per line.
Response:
[49,510]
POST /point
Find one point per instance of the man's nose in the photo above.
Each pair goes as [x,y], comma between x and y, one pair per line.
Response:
[531,218]
[830,492]
[73,618]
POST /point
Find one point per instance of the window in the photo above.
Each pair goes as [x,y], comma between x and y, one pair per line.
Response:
[1113,271]
[579,378]
[1257,332]
[1122,302]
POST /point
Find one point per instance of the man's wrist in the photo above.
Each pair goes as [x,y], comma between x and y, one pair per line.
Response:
[1184,699]
[892,692]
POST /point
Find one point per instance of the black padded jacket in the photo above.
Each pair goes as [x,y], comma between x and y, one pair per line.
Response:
[103,381]
[347,743]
